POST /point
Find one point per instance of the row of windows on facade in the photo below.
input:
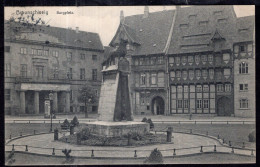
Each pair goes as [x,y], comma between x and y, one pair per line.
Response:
[242,48]
[40,72]
[148,60]
[154,77]
[54,53]
[204,88]
[203,23]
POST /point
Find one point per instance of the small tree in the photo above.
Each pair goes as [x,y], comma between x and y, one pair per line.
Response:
[87,96]
[155,157]
[75,121]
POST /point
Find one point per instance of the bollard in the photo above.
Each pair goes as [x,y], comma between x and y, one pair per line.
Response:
[229,143]
[252,152]
[56,134]
[243,145]
[21,133]
[174,152]
[13,147]
[201,149]
[169,134]
[26,148]
[53,151]
[135,154]
[215,148]
[232,151]
[218,137]
[207,133]
[191,131]
[223,140]
[92,153]
[66,140]
[243,122]
[10,136]
[34,132]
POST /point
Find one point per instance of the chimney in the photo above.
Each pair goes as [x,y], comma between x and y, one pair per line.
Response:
[146,12]
[122,18]
[77,29]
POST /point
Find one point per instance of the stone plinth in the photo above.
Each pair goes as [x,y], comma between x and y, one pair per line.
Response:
[117,129]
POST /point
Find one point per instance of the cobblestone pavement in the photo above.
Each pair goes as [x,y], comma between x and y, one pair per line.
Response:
[43,144]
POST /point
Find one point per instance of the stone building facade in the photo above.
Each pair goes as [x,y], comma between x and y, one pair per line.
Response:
[183,61]
[43,59]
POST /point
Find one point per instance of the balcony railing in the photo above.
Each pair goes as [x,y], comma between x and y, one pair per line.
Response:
[27,79]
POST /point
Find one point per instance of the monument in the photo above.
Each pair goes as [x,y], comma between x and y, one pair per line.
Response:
[115,114]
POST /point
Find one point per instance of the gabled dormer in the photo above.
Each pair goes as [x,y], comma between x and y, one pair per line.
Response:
[218,41]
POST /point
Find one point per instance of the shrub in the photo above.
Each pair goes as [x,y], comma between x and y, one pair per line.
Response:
[155,157]
[251,136]
[85,133]
[66,123]
[144,119]
[151,123]
[75,121]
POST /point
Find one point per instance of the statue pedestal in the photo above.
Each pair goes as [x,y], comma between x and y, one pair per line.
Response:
[117,129]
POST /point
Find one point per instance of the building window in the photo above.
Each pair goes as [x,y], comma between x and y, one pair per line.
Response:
[153,60]
[249,47]
[210,58]
[34,51]
[197,59]
[191,74]
[242,48]
[94,57]
[24,70]
[185,103]
[186,88]
[7,48]
[96,92]
[82,56]
[199,104]
[39,52]
[7,70]
[243,103]
[147,61]
[228,88]
[219,88]
[39,71]
[199,88]
[178,74]
[69,56]
[55,73]
[153,78]
[69,74]
[147,107]
[136,60]
[218,75]
[226,57]
[179,103]
[23,51]
[243,87]
[205,104]
[171,60]
[82,73]
[178,60]
[217,13]
[94,74]
[172,74]
[184,60]
[142,101]
[204,58]
[179,89]
[190,59]
[46,53]
[184,75]
[243,68]
[205,73]
[205,88]
[141,61]
[82,108]
[71,95]
[7,94]
[198,73]
[94,109]
[143,79]
[55,53]
[211,73]
[160,60]
[227,72]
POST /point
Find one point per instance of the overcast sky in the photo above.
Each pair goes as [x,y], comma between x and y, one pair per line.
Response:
[103,20]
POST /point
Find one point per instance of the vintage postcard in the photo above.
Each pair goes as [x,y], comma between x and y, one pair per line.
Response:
[111,85]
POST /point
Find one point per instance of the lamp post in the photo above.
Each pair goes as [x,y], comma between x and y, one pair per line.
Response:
[51,100]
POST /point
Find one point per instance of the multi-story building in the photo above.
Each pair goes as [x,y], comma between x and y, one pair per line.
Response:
[182,61]
[42,59]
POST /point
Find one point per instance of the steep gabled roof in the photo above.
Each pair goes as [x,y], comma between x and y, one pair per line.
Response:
[245,29]
[150,33]
[195,26]
[69,37]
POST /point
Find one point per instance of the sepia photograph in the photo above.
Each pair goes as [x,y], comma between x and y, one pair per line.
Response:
[119,85]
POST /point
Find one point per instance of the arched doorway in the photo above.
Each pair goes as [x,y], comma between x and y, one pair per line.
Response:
[158,105]
[224,106]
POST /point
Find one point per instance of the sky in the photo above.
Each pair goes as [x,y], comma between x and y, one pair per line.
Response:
[103,20]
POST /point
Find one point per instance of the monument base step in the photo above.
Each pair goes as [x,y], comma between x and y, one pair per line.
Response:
[117,129]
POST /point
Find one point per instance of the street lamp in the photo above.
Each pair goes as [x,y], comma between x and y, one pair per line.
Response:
[51,100]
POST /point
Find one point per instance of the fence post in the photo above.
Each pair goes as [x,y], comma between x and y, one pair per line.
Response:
[252,152]
[243,145]
[53,151]
[229,143]
[243,122]
[13,147]
[26,148]
[135,154]
[21,133]
[201,149]
[215,148]
[232,151]
[207,133]
[174,152]
[223,140]
[92,153]
[34,132]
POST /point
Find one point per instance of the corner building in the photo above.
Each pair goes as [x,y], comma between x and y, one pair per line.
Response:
[42,59]
[184,61]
